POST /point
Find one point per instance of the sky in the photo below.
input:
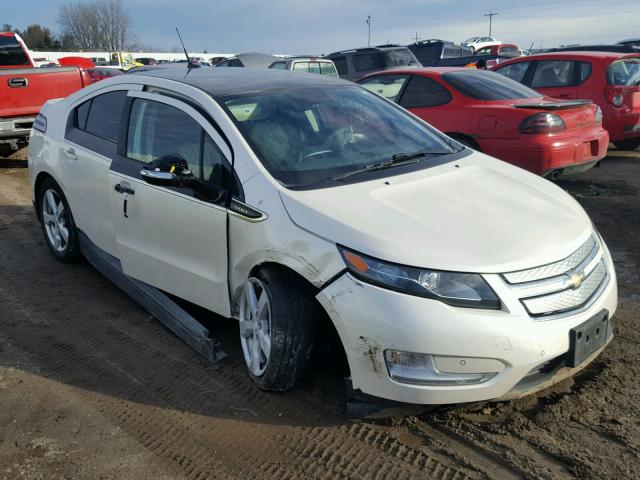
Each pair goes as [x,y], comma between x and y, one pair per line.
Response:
[316,27]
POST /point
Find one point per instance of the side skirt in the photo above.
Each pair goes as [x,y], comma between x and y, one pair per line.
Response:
[170,314]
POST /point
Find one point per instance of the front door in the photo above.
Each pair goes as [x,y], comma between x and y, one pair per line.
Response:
[172,236]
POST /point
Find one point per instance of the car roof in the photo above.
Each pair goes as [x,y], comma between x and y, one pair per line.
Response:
[574,54]
[381,48]
[222,82]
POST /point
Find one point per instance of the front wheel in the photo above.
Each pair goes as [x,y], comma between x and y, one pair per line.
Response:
[57,223]
[277,318]
[629,144]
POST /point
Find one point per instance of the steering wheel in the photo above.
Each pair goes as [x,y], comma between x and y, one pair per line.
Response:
[343,136]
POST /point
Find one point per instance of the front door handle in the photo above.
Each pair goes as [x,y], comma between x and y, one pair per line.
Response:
[120,188]
[70,153]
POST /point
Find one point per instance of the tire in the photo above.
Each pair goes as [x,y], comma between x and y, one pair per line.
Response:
[54,224]
[285,309]
[466,141]
[629,144]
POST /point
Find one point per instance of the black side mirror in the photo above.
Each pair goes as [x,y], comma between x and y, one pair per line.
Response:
[159,178]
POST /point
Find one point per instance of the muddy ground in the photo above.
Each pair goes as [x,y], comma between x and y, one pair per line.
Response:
[91,386]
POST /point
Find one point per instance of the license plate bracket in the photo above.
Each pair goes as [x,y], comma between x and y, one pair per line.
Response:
[587,337]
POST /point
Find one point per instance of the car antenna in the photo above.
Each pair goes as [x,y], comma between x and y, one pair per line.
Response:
[190,64]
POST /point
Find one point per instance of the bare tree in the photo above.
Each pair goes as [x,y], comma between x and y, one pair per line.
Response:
[98,25]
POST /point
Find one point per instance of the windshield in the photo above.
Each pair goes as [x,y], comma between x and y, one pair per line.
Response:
[11,52]
[399,58]
[310,135]
[484,85]
[624,72]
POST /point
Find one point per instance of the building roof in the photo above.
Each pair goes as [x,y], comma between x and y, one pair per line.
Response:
[221,82]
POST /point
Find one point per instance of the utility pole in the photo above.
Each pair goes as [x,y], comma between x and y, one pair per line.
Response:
[416,38]
[491,14]
[369,26]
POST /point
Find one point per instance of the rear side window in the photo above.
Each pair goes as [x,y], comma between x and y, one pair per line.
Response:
[328,69]
[424,92]
[301,67]
[554,73]
[508,52]
[485,85]
[515,71]
[341,65]
[105,115]
[624,72]
[367,61]
[11,53]
[388,86]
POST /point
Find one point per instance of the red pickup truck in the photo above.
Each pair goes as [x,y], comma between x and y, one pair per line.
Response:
[24,88]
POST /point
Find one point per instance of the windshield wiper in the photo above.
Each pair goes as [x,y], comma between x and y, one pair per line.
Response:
[396,160]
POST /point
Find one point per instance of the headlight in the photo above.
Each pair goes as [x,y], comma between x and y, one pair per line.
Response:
[458,289]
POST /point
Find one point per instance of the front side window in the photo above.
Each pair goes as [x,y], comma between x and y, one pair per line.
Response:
[388,86]
[313,135]
[515,71]
[554,73]
[158,130]
[424,92]
[279,65]
[484,85]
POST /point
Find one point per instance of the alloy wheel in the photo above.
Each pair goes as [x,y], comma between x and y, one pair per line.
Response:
[255,326]
[54,220]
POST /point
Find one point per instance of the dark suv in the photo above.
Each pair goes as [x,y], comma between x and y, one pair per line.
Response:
[358,62]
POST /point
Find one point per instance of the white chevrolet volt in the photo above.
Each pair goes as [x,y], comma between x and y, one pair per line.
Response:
[285,200]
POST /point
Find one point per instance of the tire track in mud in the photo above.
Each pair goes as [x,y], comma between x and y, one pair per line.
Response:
[164,396]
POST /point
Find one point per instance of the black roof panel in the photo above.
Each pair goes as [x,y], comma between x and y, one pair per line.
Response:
[221,82]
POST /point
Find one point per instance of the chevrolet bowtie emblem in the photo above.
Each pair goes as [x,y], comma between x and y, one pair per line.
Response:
[575,279]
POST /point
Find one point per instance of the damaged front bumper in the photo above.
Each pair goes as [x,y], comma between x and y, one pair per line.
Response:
[505,344]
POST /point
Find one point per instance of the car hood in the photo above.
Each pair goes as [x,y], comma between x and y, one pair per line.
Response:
[476,214]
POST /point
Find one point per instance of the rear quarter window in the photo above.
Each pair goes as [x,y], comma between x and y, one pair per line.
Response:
[624,72]
[11,52]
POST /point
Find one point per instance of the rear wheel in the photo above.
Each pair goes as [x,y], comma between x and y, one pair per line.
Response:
[57,223]
[277,318]
[629,144]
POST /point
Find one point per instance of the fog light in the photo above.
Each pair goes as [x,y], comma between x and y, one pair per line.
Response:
[420,369]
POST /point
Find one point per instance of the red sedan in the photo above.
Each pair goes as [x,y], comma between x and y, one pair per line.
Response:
[611,80]
[500,117]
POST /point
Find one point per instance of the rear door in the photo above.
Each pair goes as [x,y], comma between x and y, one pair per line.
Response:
[173,237]
[559,78]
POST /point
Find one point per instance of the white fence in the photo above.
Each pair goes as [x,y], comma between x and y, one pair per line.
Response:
[39,56]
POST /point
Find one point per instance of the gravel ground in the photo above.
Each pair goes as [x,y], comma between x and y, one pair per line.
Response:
[91,386]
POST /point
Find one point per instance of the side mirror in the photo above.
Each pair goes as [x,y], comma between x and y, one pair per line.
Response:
[159,178]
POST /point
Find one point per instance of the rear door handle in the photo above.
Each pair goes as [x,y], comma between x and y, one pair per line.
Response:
[70,153]
[17,82]
[120,188]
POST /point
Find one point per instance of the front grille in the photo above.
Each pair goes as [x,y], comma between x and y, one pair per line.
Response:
[554,269]
[563,286]
[567,299]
